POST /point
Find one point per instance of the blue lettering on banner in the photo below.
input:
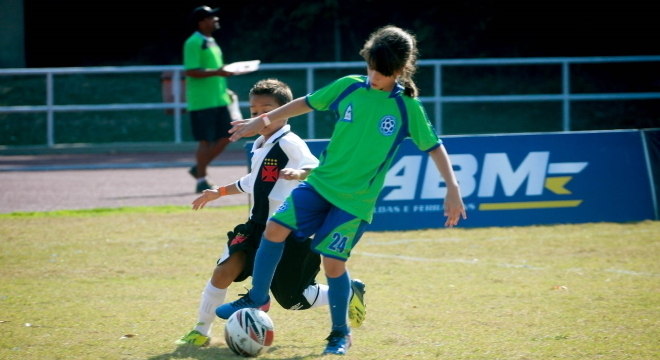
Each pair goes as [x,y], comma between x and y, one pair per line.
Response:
[522,179]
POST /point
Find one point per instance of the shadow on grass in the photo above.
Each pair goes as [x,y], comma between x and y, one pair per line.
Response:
[214,353]
[205,353]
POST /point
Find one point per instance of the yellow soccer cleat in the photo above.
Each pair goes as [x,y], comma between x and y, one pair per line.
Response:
[194,338]
[357,310]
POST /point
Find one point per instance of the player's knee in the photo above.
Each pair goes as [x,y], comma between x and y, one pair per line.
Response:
[221,279]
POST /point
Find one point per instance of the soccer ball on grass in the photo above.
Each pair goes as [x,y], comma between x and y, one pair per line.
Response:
[249,332]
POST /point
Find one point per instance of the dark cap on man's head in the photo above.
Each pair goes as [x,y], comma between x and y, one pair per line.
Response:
[202,12]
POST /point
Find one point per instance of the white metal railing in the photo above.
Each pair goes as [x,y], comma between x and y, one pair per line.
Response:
[437,99]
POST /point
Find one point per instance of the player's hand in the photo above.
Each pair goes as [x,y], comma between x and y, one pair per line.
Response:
[454,208]
[292,174]
[245,128]
[207,195]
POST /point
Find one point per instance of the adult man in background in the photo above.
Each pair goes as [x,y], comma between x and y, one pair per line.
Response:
[206,92]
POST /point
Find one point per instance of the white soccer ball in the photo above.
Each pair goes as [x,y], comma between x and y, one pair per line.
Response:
[249,332]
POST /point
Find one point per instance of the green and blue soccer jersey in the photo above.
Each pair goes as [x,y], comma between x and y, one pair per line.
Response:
[200,52]
[370,126]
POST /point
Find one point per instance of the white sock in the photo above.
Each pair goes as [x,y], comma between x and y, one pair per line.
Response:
[316,295]
[199,180]
[212,297]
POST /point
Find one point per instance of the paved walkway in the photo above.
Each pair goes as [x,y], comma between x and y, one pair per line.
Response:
[87,181]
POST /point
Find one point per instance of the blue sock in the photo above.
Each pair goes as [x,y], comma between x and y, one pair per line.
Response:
[338,293]
[265,262]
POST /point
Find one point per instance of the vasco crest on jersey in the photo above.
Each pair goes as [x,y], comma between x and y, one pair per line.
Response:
[270,171]
[387,125]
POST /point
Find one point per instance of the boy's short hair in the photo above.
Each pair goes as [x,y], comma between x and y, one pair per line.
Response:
[275,88]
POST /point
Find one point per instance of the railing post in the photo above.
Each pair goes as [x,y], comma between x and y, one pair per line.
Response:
[176,89]
[310,116]
[437,81]
[566,92]
[50,113]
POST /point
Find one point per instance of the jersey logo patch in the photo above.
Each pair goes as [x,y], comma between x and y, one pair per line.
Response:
[270,172]
[387,125]
[348,114]
[238,238]
[282,207]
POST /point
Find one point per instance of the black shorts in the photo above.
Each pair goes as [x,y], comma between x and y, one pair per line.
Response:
[210,124]
[295,272]
[246,238]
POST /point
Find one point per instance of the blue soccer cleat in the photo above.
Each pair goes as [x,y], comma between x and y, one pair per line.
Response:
[224,311]
[338,343]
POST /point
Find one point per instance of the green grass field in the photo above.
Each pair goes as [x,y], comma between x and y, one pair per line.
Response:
[124,284]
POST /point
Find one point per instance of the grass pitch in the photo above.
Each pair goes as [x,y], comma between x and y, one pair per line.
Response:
[124,284]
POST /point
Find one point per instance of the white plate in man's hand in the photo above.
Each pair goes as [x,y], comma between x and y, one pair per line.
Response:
[242,67]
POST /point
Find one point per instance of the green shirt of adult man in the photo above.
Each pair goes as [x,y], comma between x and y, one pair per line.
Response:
[207,95]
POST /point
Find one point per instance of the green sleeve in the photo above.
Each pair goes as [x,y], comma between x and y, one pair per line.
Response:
[421,131]
[322,98]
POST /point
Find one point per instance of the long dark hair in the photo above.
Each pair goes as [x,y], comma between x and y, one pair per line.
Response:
[391,49]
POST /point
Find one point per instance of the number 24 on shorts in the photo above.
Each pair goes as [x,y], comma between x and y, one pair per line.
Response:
[338,243]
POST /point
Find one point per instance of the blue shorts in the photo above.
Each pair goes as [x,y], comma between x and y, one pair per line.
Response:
[307,213]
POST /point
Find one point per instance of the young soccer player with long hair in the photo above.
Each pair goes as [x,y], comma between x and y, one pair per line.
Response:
[335,203]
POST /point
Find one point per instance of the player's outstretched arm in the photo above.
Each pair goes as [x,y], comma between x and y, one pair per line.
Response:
[454,207]
[213,194]
[252,126]
[202,200]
